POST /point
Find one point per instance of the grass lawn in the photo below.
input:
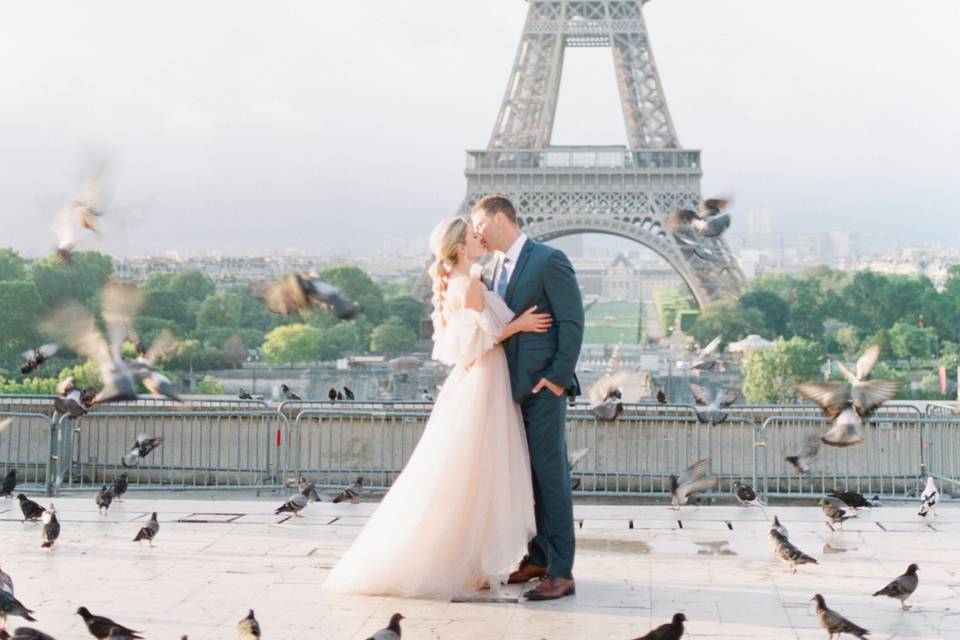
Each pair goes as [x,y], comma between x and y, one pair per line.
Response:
[611,322]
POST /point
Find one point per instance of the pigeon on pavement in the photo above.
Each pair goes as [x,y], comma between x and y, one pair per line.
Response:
[51,528]
[673,630]
[787,551]
[6,582]
[835,623]
[244,395]
[902,587]
[248,628]
[746,495]
[392,631]
[149,530]
[120,486]
[8,484]
[25,633]
[929,498]
[100,626]
[851,499]
[298,502]
[351,493]
[10,606]
[30,509]
[288,394]
[835,510]
[104,499]
[693,480]
[779,528]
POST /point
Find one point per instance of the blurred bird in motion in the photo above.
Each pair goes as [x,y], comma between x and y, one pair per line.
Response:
[299,292]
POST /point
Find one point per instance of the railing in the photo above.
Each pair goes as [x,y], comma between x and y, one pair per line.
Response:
[252,447]
[565,158]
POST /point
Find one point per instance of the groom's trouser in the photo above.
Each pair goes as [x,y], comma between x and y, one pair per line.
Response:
[545,417]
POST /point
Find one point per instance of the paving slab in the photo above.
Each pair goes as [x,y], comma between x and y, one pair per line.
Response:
[636,565]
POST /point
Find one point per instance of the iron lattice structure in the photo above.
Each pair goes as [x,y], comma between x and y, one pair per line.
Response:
[623,190]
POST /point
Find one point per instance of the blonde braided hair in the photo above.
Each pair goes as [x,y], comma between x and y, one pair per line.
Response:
[447,237]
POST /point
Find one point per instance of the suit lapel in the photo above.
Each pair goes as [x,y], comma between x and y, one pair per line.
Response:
[518,270]
[490,273]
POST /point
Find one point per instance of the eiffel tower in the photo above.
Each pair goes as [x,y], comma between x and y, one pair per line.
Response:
[625,191]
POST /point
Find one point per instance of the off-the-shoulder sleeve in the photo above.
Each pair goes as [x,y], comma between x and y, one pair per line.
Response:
[467,335]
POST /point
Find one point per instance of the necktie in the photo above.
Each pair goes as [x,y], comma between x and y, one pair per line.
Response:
[503,280]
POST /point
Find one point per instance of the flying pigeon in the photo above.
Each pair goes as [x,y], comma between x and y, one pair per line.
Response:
[392,632]
[332,394]
[746,496]
[69,400]
[66,235]
[351,493]
[778,527]
[6,582]
[298,502]
[694,479]
[902,587]
[706,360]
[104,498]
[288,394]
[298,292]
[787,551]
[673,630]
[929,498]
[51,528]
[143,368]
[248,628]
[10,606]
[835,623]
[348,392]
[852,499]
[100,626]
[30,509]
[86,205]
[709,222]
[148,531]
[141,449]
[244,395]
[120,486]
[24,633]
[8,484]
[605,396]
[661,397]
[809,450]
[835,510]
[714,401]
[36,357]
[858,380]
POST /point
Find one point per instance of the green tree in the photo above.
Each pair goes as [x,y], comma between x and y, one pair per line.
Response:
[771,375]
[849,341]
[408,309]
[775,311]
[346,337]
[727,319]
[292,343]
[393,337]
[20,311]
[158,281]
[168,306]
[910,341]
[191,354]
[191,285]
[207,386]
[12,266]
[86,375]
[81,281]
[354,283]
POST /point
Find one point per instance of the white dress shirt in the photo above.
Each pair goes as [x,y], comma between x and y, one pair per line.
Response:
[512,254]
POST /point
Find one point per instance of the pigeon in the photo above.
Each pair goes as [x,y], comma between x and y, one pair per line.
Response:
[75,327]
[66,235]
[148,531]
[104,498]
[902,587]
[746,496]
[24,633]
[801,461]
[859,380]
[10,606]
[351,493]
[835,510]
[30,509]
[51,528]
[673,630]
[36,357]
[143,368]
[288,394]
[694,479]
[8,484]
[117,634]
[834,623]
[298,292]
[243,395]
[852,499]
[848,414]
[709,222]
[392,631]
[929,498]
[425,395]
[714,401]
[69,400]
[788,552]
[605,396]
[100,626]
[85,206]
[348,392]
[572,460]
[6,582]
[779,528]
[120,485]
[332,394]
[313,495]
[661,397]
[298,502]
[248,628]
[705,360]
[141,449]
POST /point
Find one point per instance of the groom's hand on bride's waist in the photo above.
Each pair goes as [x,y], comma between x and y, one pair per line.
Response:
[555,389]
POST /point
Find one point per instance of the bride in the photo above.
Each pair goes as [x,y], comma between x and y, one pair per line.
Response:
[460,514]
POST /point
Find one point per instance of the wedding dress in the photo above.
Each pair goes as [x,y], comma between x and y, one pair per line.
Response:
[461,512]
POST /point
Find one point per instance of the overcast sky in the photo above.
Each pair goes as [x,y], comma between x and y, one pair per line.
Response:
[254,127]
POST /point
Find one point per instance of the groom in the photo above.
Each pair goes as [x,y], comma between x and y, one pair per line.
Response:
[526,273]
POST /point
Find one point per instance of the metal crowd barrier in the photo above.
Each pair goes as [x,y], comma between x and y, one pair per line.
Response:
[26,444]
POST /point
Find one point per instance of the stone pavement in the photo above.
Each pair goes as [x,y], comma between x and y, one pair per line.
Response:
[636,565]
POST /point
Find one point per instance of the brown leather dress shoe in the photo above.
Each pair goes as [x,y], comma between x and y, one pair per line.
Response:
[551,589]
[526,573]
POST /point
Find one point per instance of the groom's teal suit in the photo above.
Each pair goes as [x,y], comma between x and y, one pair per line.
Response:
[543,276]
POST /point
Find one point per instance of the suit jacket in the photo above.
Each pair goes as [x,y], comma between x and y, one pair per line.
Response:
[543,276]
